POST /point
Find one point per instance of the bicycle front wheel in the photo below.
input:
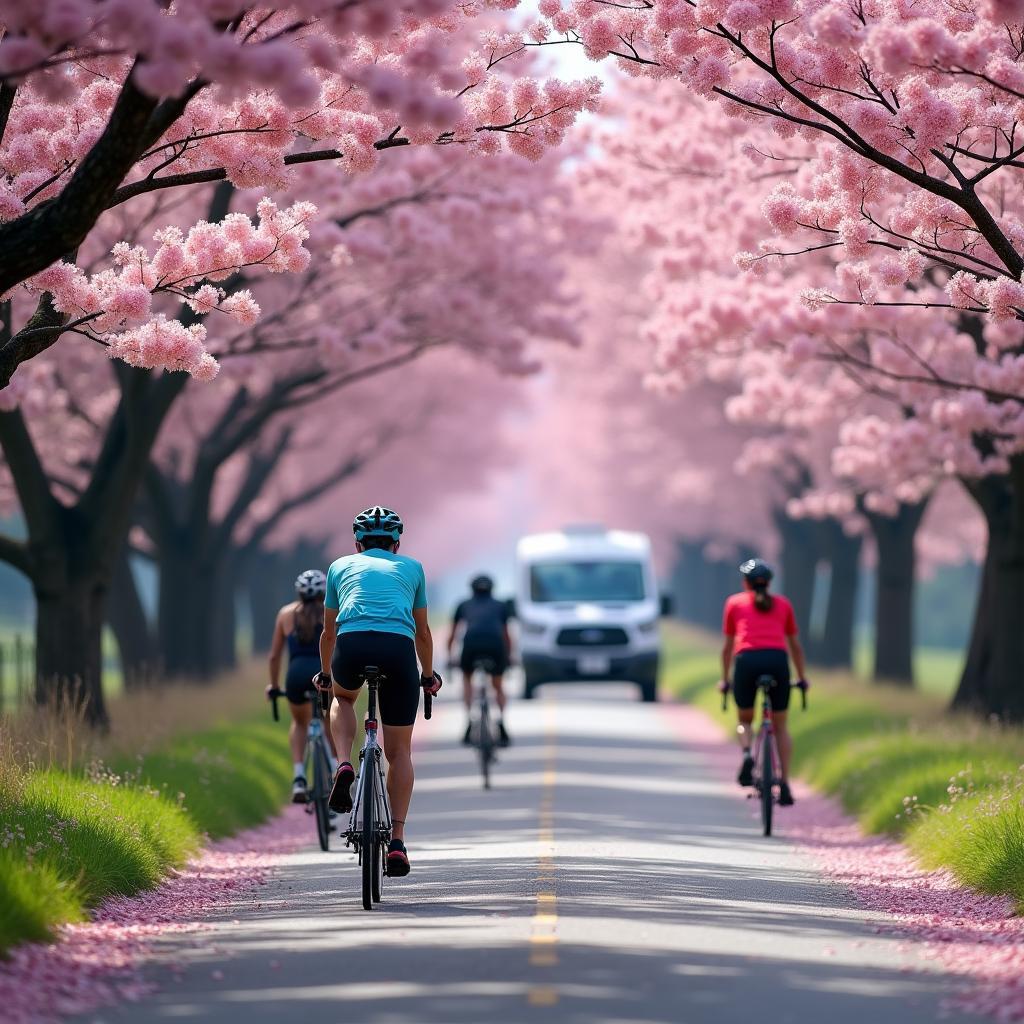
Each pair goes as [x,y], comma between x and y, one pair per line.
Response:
[321,791]
[369,847]
[767,782]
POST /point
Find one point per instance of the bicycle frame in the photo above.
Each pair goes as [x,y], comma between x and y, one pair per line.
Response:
[371,758]
[766,734]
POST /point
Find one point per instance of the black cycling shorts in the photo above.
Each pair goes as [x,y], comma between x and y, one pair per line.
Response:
[750,665]
[300,677]
[475,651]
[398,697]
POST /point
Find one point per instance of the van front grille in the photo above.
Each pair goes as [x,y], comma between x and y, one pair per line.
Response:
[592,636]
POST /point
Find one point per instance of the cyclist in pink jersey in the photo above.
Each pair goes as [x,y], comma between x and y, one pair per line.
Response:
[760,636]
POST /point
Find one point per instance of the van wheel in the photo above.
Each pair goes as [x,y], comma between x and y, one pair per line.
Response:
[649,691]
[529,688]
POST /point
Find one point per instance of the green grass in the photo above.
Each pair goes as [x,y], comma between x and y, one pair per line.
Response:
[67,842]
[952,787]
[936,669]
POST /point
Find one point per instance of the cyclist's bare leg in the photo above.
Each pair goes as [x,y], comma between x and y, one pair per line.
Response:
[467,689]
[343,721]
[398,750]
[301,715]
[745,728]
[784,740]
[498,682]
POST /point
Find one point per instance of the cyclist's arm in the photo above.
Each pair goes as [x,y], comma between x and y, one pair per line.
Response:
[727,648]
[276,650]
[451,636]
[328,638]
[796,651]
[508,641]
[424,641]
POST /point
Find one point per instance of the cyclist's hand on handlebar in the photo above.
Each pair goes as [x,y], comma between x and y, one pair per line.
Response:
[724,686]
[322,681]
[271,691]
[802,684]
[431,684]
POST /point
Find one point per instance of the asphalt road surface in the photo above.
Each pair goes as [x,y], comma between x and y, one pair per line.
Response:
[609,877]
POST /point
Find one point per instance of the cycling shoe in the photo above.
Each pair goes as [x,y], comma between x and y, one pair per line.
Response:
[398,860]
[340,799]
[746,775]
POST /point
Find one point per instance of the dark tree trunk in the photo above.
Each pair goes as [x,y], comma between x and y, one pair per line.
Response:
[799,562]
[835,649]
[126,616]
[993,682]
[191,616]
[69,656]
[685,580]
[267,589]
[894,599]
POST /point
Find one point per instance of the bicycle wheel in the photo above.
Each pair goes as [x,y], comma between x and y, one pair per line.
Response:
[767,781]
[321,790]
[486,748]
[369,852]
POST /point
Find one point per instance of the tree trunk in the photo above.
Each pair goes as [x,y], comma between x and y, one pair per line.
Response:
[126,616]
[69,655]
[685,580]
[992,682]
[267,589]
[799,561]
[835,649]
[894,597]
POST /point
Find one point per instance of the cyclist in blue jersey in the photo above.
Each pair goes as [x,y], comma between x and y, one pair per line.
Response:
[375,613]
[298,627]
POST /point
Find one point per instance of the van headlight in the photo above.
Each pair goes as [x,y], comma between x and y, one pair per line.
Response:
[533,628]
[647,627]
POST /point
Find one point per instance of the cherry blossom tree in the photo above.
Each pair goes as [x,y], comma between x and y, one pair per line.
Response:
[900,122]
[105,101]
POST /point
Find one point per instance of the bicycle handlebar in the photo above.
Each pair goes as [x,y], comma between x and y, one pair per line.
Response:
[273,693]
[428,703]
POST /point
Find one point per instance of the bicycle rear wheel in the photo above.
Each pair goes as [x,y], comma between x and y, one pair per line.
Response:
[378,871]
[321,791]
[369,847]
[767,782]
[486,750]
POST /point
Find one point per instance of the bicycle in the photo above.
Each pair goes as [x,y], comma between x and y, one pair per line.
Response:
[369,827]
[765,752]
[317,759]
[481,732]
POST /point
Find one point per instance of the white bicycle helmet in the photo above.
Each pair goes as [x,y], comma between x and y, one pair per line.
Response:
[311,584]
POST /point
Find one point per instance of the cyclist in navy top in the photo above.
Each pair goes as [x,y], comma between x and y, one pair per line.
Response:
[298,627]
[484,623]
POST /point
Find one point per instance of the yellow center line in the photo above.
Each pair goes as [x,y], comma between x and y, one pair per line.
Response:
[544,926]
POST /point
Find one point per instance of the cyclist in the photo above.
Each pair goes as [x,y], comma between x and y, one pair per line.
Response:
[299,625]
[484,621]
[760,629]
[376,614]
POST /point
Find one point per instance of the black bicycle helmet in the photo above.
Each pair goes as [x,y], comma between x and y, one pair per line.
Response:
[756,569]
[481,584]
[377,521]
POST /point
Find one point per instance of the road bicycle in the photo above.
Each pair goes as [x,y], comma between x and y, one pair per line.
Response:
[317,760]
[481,729]
[765,753]
[369,827]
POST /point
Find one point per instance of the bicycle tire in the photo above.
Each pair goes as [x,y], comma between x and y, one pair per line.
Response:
[321,791]
[369,847]
[378,872]
[486,751]
[767,781]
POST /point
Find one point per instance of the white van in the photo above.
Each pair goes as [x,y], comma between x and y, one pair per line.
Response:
[588,608]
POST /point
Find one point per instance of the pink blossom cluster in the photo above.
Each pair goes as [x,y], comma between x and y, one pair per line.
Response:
[116,306]
[905,118]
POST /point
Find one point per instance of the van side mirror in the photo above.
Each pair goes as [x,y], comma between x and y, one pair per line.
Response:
[510,607]
[666,604]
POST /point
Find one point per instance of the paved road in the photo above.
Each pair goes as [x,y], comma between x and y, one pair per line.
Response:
[608,878]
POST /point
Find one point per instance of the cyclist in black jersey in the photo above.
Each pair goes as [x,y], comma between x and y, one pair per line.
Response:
[298,627]
[484,625]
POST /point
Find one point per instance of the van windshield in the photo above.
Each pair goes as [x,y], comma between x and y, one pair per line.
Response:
[587,581]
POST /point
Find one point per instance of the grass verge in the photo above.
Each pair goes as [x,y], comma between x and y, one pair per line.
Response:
[73,836]
[951,787]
